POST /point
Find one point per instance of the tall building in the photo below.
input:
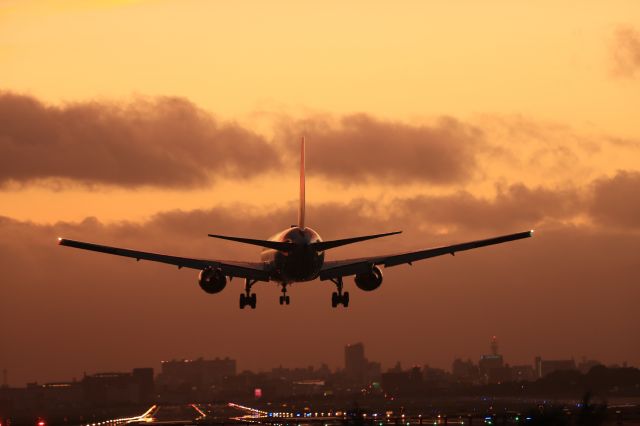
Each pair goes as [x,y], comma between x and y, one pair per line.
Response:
[494,345]
[355,363]
[358,369]
[491,366]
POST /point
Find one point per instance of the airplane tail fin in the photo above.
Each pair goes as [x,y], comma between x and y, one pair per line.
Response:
[301,207]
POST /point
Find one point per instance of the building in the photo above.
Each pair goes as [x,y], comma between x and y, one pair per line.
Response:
[196,373]
[109,389]
[491,366]
[545,367]
[355,363]
[587,364]
[464,371]
[358,369]
[523,373]
[394,382]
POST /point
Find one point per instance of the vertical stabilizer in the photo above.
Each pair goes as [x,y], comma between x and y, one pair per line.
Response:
[302,203]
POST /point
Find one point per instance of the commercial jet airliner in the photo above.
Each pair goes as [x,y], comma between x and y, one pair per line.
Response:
[295,255]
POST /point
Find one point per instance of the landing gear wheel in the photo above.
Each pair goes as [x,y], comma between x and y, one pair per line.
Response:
[248,298]
[284,299]
[243,301]
[339,297]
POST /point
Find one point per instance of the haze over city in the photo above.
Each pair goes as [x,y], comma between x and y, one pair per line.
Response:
[149,125]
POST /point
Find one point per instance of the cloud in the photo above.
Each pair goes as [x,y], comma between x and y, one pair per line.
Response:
[567,280]
[625,52]
[164,142]
[363,148]
[608,202]
[171,143]
[615,201]
[516,207]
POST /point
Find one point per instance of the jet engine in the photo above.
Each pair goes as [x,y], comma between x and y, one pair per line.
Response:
[212,280]
[369,281]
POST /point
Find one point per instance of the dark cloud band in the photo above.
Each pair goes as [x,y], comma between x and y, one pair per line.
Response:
[171,143]
[363,148]
[165,142]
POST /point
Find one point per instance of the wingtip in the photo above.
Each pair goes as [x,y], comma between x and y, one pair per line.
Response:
[60,240]
[531,232]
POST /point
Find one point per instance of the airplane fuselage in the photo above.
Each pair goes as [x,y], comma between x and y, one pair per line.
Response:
[303,263]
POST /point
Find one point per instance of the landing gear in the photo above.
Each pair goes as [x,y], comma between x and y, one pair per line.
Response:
[284,299]
[248,298]
[339,297]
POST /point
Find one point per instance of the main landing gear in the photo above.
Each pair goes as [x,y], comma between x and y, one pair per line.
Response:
[284,299]
[248,298]
[339,297]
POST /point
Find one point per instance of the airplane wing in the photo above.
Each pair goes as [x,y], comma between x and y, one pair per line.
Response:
[343,268]
[251,270]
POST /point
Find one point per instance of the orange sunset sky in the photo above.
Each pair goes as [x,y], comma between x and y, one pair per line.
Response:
[148,124]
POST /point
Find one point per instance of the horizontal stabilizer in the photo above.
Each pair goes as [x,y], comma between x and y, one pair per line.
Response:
[325,245]
[276,245]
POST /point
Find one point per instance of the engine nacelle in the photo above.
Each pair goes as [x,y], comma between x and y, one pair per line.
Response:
[370,280]
[212,280]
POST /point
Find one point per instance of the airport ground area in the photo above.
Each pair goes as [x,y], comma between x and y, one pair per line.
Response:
[408,411]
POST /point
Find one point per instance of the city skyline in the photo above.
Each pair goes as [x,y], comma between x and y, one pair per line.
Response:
[334,368]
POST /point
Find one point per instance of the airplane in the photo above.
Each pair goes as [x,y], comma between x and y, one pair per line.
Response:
[296,254]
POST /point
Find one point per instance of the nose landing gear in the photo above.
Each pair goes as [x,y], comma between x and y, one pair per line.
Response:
[339,297]
[284,299]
